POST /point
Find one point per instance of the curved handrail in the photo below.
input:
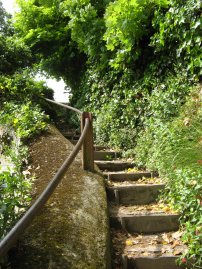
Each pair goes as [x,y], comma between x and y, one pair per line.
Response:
[65,106]
[8,241]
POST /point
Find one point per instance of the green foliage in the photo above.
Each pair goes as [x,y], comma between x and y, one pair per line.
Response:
[130,62]
[13,52]
[178,34]
[13,55]
[167,96]
[179,129]
[21,118]
[193,237]
[73,38]
[26,119]
[125,104]
[127,23]
[15,192]
[85,25]
[5,25]
[47,32]
[22,87]
[174,149]
[110,129]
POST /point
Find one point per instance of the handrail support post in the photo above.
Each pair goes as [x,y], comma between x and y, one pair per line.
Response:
[88,145]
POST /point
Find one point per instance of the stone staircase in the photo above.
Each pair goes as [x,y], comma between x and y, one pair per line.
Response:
[144,232]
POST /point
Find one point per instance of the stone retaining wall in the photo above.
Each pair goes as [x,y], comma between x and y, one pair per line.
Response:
[72,230]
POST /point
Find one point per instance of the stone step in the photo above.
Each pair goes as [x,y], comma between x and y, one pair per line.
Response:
[100,148]
[159,251]
[143,221]
[138,194]
[115,165]
[128,176]
[96,148]
[73,141]
[71,136]
[106,155]
[162,262]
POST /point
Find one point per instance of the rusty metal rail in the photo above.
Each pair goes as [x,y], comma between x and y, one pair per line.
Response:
[85,140]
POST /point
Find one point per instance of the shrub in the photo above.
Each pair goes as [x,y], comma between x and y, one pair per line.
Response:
[175,149]
[21,87]
[25,120]
[15,197]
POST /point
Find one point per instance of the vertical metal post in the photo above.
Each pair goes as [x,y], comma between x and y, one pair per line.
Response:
[88,147]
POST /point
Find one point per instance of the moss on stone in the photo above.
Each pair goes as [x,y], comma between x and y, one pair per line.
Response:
[72,229]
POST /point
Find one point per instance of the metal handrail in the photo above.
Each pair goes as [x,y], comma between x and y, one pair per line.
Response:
[9,240]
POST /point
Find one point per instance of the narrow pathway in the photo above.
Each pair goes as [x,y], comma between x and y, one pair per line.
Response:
[144,232]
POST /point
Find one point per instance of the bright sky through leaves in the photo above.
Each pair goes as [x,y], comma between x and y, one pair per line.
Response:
[57,86]
[9,5]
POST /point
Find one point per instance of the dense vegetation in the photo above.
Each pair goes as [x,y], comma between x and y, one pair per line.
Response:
[136,65]
[119,54]
[174,148]
[21,118]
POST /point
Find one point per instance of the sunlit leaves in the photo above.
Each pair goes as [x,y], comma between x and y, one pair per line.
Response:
[13,53]
[178,34]
[20,86]
[26,119]
[173,147]
[14,199]
[22,121]
[84,24]
[5,24]
[127,22]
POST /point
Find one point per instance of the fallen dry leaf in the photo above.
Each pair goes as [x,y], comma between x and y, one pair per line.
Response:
[175,243]
[167,238]
[129,242]
[177,252]
[145,254]
[177,235]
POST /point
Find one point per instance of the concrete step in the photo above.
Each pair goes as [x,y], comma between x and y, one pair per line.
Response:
[128,176]
[106,155]
[139,194]
[159,251]
[143,221]
[115,165]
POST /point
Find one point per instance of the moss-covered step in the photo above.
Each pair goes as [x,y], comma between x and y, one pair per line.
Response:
[116,165]
[128,176]
[106,155]
[136,194]
[143,219]
[159,251]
